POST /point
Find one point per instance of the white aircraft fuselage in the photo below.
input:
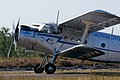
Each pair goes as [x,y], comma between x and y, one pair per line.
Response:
[33,38]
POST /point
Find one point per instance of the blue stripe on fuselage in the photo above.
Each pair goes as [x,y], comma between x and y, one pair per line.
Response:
[59,39]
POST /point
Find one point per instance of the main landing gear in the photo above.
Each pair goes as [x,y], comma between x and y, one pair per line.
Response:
[49,67]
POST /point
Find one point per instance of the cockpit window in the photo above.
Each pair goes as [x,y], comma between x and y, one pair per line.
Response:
[50,28]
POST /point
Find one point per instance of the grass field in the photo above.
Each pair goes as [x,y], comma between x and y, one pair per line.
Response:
[32,61]
[63,78]
[61,75]
[88,74]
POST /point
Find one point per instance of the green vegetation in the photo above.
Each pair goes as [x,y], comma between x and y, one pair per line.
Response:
[6,41]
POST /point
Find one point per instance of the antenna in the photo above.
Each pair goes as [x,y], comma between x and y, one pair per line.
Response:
[57,17]
[112,30]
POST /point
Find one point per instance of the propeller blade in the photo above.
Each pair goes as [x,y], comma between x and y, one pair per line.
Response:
[15,44]
[17,31]
[17,27]
[14,37]
[12,40]
[13,28]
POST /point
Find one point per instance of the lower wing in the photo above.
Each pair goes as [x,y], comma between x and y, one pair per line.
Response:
[81,52]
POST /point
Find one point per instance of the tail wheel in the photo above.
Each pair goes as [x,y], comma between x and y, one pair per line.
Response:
[50,68]
[38,69]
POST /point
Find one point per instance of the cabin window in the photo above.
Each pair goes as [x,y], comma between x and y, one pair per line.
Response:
[85,42]
[72,39]
[78,40]
[65,38]
[103,45]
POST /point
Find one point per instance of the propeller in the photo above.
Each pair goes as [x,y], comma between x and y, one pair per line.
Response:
[14,37]
[17,31]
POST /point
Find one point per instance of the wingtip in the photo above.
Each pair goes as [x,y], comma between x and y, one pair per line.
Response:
[102,11]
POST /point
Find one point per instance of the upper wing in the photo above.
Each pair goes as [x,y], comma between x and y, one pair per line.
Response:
[100,19]
[81,52]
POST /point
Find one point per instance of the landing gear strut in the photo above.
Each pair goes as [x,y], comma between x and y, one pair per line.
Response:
[49,67]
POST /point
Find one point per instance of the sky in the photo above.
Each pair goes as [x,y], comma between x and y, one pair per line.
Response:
[42,11]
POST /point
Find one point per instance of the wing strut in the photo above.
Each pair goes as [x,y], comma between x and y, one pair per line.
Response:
[85,34]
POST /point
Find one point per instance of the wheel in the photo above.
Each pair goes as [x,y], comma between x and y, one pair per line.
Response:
[50,68]
[37,69]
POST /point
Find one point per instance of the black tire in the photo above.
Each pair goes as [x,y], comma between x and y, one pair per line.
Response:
[50,68]
[37,69]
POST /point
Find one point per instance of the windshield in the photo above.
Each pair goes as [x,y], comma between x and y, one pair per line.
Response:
[50,28]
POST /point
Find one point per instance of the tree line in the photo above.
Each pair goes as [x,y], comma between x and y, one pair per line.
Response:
[7,47]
